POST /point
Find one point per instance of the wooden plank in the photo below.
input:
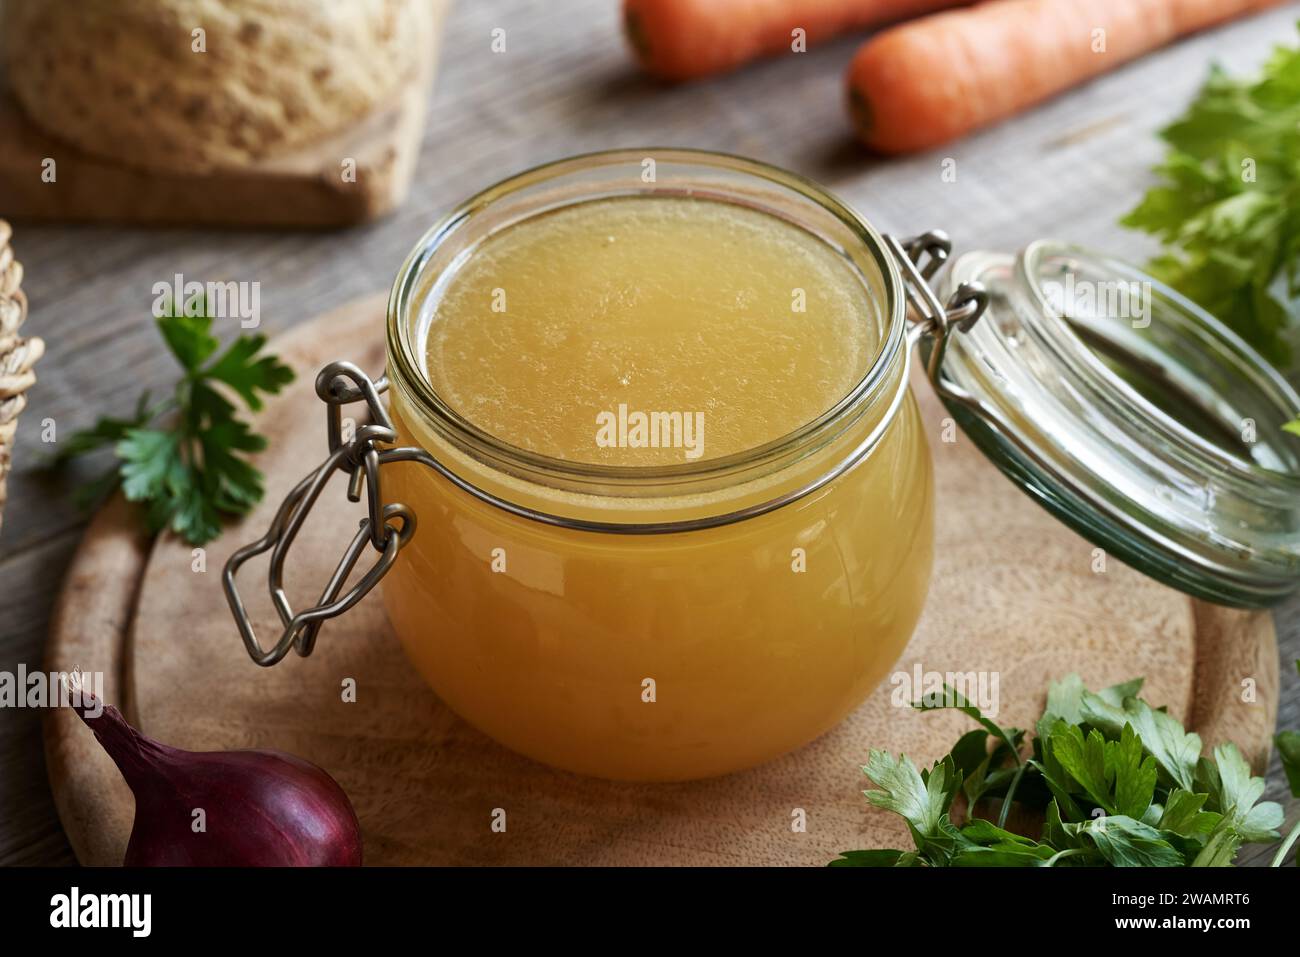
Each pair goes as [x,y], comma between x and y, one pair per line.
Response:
[30,831]
[564,85]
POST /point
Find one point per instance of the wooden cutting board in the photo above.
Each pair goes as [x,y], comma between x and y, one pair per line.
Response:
[302,187]
[1013,592]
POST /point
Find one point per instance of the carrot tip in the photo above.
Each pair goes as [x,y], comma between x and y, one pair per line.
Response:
[861,112]
[636,35]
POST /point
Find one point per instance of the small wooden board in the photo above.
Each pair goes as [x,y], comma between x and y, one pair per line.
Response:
[303,187]
[1013,592]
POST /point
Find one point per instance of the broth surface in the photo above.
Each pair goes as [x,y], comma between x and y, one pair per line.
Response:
[559,330]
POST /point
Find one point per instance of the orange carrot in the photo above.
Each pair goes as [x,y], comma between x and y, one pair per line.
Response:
[688,39]
[923,83]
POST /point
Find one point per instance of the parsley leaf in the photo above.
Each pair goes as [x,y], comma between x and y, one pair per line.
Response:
[1111,773]
[1235,794]
[880,858]
[921,801]
[151,465]
[106,431]
[188,334]
[1228,206]
[1124,842]
[1175,749]
[248,375]
[186,459]
[954,699]
[1182,814]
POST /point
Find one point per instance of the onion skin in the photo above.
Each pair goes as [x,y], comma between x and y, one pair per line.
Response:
[261,808]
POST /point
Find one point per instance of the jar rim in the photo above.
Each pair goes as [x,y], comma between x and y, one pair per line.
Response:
[404,358]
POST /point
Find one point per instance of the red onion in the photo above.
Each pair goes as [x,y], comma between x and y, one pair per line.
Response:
[259,808]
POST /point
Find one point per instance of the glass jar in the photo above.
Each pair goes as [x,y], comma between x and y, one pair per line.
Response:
[678,621]
[675,623]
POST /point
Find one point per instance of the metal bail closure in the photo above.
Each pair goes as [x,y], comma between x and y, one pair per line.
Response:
[1131,414]
[386,529]
[920,258]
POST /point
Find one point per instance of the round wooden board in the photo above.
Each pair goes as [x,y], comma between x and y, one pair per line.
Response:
[1013,593]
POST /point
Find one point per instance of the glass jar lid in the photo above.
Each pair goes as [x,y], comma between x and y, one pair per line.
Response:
[1132,415]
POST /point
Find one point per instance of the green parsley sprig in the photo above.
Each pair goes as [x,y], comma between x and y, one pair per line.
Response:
[186,458]
[1229,205]
[1113,781]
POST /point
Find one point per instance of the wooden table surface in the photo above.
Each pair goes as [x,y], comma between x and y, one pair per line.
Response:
[563,85]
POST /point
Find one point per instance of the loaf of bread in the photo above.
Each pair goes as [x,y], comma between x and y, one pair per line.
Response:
[192,85]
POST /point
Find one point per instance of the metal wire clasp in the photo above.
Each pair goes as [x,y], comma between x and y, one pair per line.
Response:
[920,258]
[386,528]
